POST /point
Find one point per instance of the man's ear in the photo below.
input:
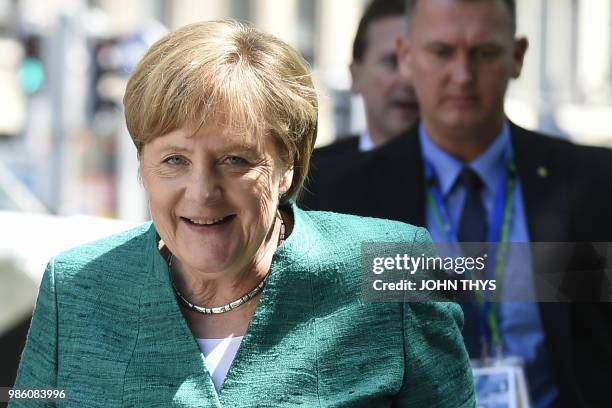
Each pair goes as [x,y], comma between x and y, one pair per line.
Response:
[355,69]
[403,56]
[520,48]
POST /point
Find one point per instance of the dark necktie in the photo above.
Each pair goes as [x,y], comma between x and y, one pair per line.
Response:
[473,222]
[472,228]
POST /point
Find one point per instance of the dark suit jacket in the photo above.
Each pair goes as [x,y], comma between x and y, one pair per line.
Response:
[568,198]
[348,144]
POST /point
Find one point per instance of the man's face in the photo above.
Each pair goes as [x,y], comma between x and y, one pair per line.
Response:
[460,55]
[390,103]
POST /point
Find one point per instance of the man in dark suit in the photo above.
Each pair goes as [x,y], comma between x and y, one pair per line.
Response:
[389,100]
[461,55]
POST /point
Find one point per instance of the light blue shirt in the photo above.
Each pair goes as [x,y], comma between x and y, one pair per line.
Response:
[520,323]
[365,141]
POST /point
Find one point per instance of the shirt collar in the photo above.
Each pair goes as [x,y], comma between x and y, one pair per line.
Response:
[489,165]
[365,141]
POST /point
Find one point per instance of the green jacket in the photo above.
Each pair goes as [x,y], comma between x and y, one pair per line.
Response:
[107,329]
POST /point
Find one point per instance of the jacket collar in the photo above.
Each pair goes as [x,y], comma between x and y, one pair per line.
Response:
[285,304]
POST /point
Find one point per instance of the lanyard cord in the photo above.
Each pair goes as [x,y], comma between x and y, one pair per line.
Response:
[499,232]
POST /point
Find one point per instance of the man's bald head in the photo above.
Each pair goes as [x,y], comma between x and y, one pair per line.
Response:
[511,4]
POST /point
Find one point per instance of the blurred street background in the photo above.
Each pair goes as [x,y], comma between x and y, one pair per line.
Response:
[64,65]
[68,166]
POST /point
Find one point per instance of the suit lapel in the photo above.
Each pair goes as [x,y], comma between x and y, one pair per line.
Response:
[395,176]
[545,192]
[547,206]
[279,342]
[165,348]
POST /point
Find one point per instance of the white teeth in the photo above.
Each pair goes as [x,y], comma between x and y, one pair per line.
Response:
[206,222]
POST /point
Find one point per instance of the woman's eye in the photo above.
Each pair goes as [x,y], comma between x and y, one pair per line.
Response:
[234,160]
[175,160]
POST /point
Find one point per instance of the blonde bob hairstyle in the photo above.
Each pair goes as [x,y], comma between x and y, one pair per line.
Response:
[228,74]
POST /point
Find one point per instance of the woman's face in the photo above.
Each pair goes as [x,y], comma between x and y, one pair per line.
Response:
[213,196]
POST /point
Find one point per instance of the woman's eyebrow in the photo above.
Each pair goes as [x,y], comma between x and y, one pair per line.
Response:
[173,148]
[225,149]
[240,147]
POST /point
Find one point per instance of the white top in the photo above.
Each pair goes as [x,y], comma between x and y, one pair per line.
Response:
[219,354]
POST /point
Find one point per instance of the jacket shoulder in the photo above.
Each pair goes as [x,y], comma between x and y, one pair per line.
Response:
[592,161]
[345,228]
[538,140]
[112,253]
[330,241]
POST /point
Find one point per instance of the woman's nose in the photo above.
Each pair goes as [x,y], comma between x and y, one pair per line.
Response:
[204,186]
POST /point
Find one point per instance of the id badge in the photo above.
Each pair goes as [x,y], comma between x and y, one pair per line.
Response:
[500,383]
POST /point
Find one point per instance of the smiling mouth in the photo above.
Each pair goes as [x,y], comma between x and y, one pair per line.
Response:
[201,222]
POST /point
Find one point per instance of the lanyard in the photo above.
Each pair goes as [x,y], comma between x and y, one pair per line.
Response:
[499,231]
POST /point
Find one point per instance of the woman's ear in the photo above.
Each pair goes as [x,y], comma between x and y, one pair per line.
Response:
[141,178]
[286,180]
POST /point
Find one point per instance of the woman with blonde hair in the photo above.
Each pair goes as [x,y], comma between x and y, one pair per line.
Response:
[233,296]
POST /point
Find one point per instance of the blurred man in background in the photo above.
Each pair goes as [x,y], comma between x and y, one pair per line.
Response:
[389,101]
[460,55]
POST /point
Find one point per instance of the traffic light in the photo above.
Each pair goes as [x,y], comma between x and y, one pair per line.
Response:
[31,69]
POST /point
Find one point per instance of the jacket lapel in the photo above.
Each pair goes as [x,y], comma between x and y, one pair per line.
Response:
[166,360]
[279,344]
[547,206]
